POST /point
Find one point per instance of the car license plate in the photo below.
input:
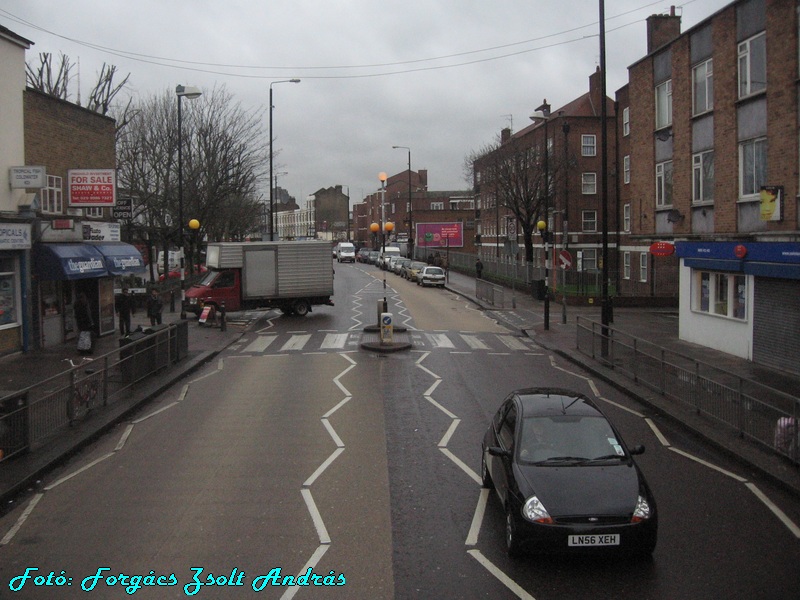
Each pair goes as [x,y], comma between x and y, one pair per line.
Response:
[609,539]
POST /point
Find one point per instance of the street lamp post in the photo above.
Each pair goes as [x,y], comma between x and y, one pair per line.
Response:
[543,112]
[410,208]
[189,92]
[271,194]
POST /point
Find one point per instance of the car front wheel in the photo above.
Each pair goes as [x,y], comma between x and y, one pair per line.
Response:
[513,545]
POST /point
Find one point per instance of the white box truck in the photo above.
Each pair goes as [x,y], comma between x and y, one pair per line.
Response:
[291,276]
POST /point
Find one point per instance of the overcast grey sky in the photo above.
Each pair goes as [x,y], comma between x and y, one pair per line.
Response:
[440,76]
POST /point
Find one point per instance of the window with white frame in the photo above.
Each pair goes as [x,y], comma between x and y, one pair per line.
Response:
[626,265]
[589,221]
[588,145]
[588,259]
[94,212]
[8,291]
[703,177]
[721,294]
[589,183]
[437,205]
[626,217]
[643,266]
[753,65]
[626,121]
[626,169]
[52,196]
[664,104]
[703,87]
[664,184]
[752,167]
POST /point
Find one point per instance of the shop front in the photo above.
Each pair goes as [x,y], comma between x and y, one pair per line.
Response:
[64,270]
[15,243]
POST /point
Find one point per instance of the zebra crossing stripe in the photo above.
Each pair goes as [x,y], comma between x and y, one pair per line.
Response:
[260,344]
[474,343]
[511,342]
[296,342]
[334,340]
[440,340]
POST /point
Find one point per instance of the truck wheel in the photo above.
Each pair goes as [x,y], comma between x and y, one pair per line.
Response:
[301,308]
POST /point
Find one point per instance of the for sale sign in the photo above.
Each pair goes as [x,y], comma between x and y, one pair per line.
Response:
[91,187]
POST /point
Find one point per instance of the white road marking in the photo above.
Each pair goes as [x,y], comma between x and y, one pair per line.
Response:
[474,342]
[322,532]
[296,342]
[462,465]
[708,464]
[500,576]
[312,563]
[512,343]
[321,469]
[477,518]
[450,431]
[790,525]
[79,471]
[22,518]
[260,343]
[439,340]
[124,438]
[334,340]
[657,431]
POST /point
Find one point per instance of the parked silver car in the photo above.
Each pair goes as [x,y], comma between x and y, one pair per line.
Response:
[431,276]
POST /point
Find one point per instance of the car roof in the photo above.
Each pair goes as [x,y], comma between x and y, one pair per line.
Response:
[555,401]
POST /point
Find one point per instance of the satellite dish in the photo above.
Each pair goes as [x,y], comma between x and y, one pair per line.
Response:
[674,216]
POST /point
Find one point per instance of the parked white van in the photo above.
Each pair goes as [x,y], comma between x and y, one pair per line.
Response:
[386,254]
[345,252]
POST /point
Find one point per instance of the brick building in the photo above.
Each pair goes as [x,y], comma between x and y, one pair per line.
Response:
[710,126]
[430,222]
[573,168]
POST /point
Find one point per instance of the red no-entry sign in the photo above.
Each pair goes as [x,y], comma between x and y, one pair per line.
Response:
[565,260]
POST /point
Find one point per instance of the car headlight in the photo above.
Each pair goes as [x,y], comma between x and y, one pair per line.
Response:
[192,300]
[534,510]
[642,511]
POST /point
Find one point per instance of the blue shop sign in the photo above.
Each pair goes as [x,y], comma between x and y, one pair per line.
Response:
[765,259]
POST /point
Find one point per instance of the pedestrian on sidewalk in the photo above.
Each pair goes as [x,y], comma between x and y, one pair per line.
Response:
[84,323]
[124,306]
[479,268]
[154,307]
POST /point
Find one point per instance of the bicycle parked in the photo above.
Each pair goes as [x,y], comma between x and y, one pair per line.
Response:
[82,392]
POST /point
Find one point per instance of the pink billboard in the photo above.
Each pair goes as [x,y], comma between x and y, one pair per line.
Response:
[440,235]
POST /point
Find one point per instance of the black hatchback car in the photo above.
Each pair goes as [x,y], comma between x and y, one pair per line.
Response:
[566,480]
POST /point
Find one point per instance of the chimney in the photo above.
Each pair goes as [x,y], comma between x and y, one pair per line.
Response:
[596,91]
[423,178]
[505,135]
[662,29]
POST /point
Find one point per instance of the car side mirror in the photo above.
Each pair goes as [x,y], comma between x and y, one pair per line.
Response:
[497,451]
[636,450]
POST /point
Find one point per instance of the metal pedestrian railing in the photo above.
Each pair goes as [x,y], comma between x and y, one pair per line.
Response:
[30,417]
[768,416]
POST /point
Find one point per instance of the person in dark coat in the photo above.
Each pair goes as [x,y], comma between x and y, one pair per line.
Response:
[83,322]
[479,268]
[154,307]
[124,306]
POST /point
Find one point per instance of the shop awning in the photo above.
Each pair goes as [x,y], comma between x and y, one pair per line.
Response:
[57,262]
[121,258]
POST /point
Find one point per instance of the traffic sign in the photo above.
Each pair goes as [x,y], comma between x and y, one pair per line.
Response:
[565,260]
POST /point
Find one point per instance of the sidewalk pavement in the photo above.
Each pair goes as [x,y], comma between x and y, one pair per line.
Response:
[18,371]
[659,326]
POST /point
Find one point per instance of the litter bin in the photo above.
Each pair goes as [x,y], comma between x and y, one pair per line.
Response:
[539,289]
[13,423]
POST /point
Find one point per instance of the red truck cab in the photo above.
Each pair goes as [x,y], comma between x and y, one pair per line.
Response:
[216,288]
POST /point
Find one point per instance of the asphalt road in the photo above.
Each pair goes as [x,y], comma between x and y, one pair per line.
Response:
[297,450]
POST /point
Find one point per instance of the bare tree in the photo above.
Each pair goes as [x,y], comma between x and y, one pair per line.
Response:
[105,90]
[515,177]
[45,78]
[223,158]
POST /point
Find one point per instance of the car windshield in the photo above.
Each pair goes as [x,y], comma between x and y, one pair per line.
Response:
[209,278]
[566,438]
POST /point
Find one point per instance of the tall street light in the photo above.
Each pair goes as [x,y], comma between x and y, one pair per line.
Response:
[543,113]
[410,209]
[606,311]
[189,92]
[271,192]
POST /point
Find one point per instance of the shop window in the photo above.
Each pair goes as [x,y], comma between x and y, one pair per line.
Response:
[720,294]
[8,292]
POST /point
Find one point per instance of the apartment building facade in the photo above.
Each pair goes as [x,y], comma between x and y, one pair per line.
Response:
[709,144]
